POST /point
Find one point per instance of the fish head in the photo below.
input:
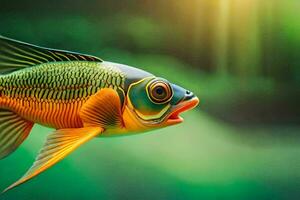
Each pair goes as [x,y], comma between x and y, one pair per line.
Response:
[154,102]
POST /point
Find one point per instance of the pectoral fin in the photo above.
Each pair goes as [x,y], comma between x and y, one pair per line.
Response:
[58,145]
[102,109]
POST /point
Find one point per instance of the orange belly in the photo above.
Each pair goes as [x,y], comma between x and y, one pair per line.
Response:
[52,113]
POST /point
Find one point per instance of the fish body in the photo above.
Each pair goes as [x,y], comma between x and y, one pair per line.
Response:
[52,94]
[80,96]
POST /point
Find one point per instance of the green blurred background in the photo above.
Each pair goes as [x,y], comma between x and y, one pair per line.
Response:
[241,57]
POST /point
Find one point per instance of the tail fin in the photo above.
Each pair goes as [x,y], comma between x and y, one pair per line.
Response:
[15,55]
[13,131]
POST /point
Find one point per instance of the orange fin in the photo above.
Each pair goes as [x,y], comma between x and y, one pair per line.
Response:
[102,109]
[13,131]
[58,145]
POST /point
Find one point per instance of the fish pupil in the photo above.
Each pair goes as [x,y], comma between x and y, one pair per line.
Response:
[159,91]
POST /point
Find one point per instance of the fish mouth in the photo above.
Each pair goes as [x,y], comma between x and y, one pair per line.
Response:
[183,106]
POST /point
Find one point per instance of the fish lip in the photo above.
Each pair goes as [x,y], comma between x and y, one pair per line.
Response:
[183,106]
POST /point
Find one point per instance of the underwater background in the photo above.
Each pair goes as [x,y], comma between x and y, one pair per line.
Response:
[240,57]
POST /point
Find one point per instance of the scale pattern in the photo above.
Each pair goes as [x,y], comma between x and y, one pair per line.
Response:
[53,93]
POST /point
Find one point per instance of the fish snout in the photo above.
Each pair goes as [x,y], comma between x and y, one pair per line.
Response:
[189,95]
[189,102]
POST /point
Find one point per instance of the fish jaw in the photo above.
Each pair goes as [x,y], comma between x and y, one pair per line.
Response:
[135,125]
[174,117]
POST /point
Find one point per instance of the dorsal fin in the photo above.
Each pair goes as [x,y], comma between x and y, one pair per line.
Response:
[16,55]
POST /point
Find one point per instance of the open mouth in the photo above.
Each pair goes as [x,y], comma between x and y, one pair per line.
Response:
[184,106]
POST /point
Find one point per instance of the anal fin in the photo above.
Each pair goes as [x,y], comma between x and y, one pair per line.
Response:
[58,145]
[13,131]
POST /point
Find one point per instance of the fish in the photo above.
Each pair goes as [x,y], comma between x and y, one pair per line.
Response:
[81,97]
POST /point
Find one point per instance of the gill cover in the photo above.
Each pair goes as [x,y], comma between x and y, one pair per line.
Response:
[151,99]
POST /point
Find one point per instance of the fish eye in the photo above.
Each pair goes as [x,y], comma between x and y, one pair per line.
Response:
[159,92]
